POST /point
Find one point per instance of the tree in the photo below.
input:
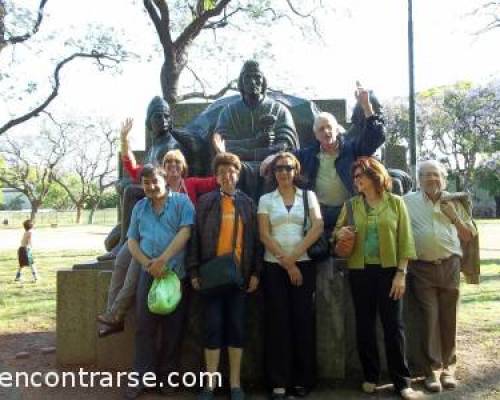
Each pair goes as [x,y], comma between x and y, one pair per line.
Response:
[188,19]
[461,122]
[8,38]
[99,46]
[28,165]
[489,12]
[57,198]
[456,124]
[91,171]
[488,178]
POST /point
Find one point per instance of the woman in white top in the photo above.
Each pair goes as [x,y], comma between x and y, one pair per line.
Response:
[288,278]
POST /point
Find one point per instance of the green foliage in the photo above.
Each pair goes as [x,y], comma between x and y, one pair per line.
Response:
[455,124]
[109,199]
[488,175]
[57,198]
[209,4]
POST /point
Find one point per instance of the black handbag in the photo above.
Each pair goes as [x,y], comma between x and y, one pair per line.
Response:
[320,249]
[222,273]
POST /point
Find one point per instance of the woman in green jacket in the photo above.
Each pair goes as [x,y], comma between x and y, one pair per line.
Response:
[377,269]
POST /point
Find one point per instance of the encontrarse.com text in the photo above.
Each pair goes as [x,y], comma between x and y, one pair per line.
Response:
[107,379]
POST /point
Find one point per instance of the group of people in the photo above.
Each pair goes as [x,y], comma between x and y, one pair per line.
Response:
[310,193]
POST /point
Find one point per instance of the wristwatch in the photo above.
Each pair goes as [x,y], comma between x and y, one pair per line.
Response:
[402,270]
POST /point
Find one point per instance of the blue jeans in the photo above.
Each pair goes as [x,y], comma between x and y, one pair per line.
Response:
[163,359]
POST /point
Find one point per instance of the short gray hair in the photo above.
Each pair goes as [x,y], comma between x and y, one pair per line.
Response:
[422,165]
[328,117]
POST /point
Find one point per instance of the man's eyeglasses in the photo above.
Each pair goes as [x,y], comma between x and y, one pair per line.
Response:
[281,168]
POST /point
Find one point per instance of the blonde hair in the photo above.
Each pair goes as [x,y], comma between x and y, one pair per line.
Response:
[176,155]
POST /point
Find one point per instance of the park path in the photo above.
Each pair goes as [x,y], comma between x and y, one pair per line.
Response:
[76,237]
[91,237]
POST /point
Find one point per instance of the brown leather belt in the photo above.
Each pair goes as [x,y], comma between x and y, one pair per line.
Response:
[439,261]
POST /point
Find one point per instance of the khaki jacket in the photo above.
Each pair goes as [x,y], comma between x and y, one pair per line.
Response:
[471,258]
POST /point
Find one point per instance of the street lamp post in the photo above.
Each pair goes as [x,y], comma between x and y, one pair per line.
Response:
[412,117]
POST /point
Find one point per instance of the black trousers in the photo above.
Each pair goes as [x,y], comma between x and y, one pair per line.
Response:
[164,359]
[370,289]
[289,328]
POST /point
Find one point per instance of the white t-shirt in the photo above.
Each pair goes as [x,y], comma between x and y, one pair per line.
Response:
[286,226]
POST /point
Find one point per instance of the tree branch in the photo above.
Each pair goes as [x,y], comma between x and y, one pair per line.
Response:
[21,38]
[295,11]
[160,20]
[196,25]
[55,91]
[223,21]
[203,95]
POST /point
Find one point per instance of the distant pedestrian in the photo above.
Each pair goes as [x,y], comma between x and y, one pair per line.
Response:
[24,254]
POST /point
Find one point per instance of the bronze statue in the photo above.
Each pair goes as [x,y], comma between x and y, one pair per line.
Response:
[255,126]
[160,138]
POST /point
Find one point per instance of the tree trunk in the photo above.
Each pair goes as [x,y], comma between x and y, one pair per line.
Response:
[497,204]
[35,205]
[91,215]
[169,78]
[78,213]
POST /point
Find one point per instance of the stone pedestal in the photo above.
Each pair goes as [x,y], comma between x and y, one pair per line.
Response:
[82,293]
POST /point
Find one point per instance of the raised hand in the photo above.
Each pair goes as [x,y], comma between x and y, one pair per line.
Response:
[125,128]
[363,98]
[219,143]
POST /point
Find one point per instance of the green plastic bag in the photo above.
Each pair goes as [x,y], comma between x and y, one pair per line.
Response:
[164,294]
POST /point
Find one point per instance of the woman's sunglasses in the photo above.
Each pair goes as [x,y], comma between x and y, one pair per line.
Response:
[280,168]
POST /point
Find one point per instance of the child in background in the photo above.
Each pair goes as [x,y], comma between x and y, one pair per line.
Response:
[24,254]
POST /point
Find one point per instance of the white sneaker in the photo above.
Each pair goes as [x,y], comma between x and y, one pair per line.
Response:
[410,394]
[432,384]
[448,381]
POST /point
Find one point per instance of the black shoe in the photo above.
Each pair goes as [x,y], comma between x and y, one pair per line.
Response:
[167,390]
[106,330]
[133,392]
[300,391]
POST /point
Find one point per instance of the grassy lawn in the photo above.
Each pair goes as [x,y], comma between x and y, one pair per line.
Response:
[30,307]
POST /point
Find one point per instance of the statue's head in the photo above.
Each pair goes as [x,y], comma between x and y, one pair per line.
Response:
[252,82]
[158,117]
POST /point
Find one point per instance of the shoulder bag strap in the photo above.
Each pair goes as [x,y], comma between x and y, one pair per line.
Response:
[235,227]
[350,214]
[306,209]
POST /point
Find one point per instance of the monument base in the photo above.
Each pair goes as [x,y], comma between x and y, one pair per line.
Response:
[82,294]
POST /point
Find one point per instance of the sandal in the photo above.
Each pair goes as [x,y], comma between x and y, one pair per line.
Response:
[106,330]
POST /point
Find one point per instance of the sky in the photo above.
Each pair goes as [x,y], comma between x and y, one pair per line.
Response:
[362,40]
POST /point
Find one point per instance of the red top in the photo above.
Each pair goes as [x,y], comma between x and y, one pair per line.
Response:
[194,187]
[133,169]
